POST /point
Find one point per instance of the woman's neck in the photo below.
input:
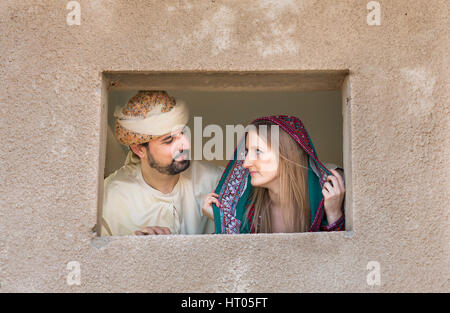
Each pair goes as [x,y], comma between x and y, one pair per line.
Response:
[274,193]
[276,211]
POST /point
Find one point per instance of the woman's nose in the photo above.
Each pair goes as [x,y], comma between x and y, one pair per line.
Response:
[184,143]
[247,163]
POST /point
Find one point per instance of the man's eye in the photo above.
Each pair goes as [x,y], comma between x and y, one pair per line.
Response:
[258,151]
[168,141]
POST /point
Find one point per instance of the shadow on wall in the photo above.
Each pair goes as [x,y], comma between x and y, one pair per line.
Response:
[320,111]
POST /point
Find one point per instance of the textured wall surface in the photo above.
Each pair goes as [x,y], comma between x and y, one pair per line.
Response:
[50,122]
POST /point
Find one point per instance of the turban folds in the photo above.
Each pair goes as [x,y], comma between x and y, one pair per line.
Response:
[147,115]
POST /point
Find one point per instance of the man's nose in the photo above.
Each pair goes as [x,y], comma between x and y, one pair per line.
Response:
[184,143]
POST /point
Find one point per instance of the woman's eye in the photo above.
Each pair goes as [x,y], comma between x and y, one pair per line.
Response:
[169,141]
[258,151]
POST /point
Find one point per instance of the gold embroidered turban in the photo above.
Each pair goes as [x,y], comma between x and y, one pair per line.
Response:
[147,115]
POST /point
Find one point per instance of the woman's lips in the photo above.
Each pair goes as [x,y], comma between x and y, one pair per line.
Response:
[253,172]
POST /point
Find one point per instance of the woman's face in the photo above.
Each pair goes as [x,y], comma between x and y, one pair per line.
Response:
[260,160]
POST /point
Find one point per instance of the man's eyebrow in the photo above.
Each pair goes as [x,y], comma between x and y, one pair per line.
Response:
[166,138]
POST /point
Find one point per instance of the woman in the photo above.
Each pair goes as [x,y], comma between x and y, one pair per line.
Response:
[276,189]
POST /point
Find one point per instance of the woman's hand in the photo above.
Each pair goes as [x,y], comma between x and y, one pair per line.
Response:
[208,200]
[333,193]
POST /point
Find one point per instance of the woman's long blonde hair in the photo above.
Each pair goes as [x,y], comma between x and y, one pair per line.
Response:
[293,174]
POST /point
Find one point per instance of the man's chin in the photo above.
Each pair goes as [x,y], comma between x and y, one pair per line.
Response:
[181,166]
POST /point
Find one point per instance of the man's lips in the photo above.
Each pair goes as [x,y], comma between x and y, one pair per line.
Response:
[253,172]
[181,157]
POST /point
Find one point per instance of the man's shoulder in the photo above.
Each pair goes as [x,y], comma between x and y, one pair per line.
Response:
[121,190]
[204,170]
[124,176]
[206,166]
[204,174]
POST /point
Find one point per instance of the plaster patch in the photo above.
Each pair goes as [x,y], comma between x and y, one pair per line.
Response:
[276,37]
[60,144]
[100,242]
[27,285]
[217,29]
[279,41]
[3,254]
[419,95]
[102,11]
[273,8]
[238,272]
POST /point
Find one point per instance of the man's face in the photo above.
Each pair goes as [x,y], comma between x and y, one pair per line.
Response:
[169,154]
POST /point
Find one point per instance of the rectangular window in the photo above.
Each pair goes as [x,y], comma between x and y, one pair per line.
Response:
[321,99]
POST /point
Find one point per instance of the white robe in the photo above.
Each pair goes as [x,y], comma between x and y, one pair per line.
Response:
[130,204]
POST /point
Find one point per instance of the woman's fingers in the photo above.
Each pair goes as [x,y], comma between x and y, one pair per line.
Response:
[208,200]
[213,195]
[339,180]
[325,193]
[329,188]
[213,198]
[335,184]
[208,210]
[216,202]
[333,192]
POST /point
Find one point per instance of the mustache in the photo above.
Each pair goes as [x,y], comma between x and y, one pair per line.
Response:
[181,153]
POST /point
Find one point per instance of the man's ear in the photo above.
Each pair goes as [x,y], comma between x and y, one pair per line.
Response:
[138,150]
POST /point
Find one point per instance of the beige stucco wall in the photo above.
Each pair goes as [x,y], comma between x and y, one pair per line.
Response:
[51,115]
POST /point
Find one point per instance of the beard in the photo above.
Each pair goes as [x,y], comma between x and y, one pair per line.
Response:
[175,167]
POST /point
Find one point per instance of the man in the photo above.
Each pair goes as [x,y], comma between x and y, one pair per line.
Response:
[158,190]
